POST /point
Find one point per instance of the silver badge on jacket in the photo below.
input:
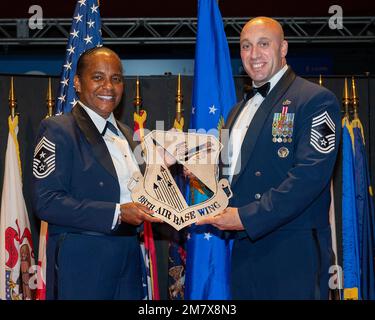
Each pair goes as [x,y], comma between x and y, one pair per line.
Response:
[283,152]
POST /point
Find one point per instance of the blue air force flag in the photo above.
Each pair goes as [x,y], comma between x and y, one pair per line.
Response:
[208,254]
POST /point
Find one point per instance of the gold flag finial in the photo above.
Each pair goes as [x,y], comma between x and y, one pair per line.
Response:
[179,99]
[140,115]
[50,100]
[320,80]
[12,99]
[355,99]
[137,100]
[345,99]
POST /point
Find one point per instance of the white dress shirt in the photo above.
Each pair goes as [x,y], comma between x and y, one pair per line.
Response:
[242,123]
[122,157]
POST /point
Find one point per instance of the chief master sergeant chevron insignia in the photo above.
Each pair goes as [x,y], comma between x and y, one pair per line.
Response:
[323,133]
[44,158]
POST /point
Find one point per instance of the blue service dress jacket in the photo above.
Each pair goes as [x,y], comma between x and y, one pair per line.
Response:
[75,189]
[282,192]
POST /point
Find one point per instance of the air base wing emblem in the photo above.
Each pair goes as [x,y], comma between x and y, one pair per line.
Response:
[323,133]
[44,158]
[157,189]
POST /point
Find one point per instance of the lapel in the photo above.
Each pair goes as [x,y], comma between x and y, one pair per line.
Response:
[260,118]
[94,138]
[128,133]
[234,114]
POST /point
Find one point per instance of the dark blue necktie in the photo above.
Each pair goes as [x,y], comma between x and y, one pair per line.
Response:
[111,127]
[263,90]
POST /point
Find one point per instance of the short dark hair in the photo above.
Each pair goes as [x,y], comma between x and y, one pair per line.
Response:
[82,61]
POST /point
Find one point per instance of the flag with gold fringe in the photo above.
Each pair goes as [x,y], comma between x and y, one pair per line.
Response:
[350,242]
[16,248]
[208,253]
[365,210]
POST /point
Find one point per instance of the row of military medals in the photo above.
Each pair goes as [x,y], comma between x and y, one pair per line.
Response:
[282,126]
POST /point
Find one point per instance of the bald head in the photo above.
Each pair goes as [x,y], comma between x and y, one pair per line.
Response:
[269,23]
[263,48]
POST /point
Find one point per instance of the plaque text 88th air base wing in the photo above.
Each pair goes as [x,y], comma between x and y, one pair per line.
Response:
[157,189]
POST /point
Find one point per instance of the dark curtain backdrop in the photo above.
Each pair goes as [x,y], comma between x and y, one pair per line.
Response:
[158,94]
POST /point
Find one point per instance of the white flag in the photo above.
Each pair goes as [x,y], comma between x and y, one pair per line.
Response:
[16,249]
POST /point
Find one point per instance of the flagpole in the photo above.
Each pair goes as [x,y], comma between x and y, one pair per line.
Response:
[137,99]
[179,119]
[13,115]
[355,99]
[345,99]
[140,115]
[50,100]
[12,99]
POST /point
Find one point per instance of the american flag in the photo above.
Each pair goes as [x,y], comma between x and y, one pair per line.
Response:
[85,34]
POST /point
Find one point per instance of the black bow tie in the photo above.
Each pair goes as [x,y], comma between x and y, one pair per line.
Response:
[111,127]
[263,90]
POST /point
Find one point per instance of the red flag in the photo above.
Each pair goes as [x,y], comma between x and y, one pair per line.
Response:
[148,244]
[42,262]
